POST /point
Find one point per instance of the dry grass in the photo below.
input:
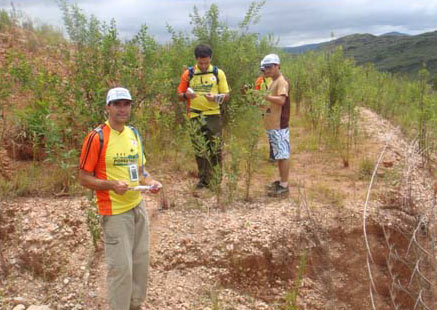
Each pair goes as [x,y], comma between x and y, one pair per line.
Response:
[35,179]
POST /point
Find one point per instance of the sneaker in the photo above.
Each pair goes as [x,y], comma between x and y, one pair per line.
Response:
[137,308]
[201,184]
[278,191]
[272,185]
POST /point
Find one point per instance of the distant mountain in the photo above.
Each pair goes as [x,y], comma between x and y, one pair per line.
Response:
[394,33]
[393,52]
[302,48]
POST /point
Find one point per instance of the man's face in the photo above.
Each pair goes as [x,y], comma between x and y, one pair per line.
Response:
[203,63]
[119,111]
[271,70]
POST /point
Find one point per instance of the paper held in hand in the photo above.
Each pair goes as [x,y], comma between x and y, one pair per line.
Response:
[143,188]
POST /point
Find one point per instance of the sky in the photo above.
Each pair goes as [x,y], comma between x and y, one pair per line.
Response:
[294,22]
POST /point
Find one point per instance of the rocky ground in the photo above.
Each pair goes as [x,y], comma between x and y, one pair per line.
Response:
[249,255]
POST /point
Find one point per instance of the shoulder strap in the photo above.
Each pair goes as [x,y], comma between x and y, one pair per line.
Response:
[99,130]
[138,137]
[215,72]
[191,73]
[137,134]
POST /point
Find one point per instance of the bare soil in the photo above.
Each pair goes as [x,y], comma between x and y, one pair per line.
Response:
[246,255]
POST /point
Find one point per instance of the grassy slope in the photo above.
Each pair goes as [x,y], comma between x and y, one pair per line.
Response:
[393,53]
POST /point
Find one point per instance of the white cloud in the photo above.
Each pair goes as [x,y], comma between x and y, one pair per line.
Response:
[294,21]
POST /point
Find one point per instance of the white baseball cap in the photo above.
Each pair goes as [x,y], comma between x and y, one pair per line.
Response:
[270,59]
[118,93]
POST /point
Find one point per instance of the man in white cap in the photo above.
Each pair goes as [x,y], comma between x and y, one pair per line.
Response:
[276,122]
[112,164]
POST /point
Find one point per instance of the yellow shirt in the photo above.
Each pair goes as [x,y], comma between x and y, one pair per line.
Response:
[119,159]
[202,84]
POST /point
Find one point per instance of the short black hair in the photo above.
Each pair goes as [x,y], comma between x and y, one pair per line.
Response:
[203,50]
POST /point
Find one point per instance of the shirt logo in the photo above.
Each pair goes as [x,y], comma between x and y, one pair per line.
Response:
[134,143]
[213,79]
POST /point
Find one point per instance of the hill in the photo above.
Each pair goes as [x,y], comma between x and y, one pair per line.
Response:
[221,249]
[395,33]
[392,52]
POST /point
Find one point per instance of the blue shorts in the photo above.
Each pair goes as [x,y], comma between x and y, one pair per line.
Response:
[279,140]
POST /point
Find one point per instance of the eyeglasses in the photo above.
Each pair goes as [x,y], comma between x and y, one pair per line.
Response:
[269,66]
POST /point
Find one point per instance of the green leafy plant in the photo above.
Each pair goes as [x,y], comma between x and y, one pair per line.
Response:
[93,221]
[290,298]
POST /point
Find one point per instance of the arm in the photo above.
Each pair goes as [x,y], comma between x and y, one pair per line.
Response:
[183,95]
[88,161]
[88,180]
[223,88]
[211,97]
[226,97]
[148,180]
[276,99]
[186,96]
[280,92]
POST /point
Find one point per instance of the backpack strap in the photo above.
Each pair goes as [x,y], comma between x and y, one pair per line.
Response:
[191,73]
[99,130]
[138,137]
[215,72]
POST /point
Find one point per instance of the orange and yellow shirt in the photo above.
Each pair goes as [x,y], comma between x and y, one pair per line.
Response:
[263,83]
[203,84]
[121,153]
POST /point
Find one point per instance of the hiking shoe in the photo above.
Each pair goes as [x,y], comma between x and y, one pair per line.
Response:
[272,185]
[278,191]
[201,184]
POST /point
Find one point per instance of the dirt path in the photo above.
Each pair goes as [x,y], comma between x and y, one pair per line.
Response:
[247,257]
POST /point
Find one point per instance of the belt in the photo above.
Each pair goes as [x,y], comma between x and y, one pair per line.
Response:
[196,111]
[191,110]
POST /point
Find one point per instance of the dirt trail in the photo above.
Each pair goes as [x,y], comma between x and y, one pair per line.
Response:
[246,257]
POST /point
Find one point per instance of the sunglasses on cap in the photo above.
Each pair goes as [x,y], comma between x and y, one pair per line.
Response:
[268,66]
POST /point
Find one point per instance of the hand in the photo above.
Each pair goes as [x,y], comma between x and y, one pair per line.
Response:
[210,97]
[120,187]
[189,95]
[156,186]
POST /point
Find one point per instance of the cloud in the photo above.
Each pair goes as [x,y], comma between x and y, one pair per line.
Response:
[294,21]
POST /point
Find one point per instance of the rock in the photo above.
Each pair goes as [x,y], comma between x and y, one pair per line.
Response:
[19,307]
[92,294]
[20,301]
[388,163]
[44,307]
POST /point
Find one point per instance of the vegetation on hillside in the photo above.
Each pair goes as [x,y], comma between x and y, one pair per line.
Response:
[52,92]
[393,53]
[48,107]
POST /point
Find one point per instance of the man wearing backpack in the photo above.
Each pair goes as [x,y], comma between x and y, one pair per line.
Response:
[276,122]
[204,87]
[112,164]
